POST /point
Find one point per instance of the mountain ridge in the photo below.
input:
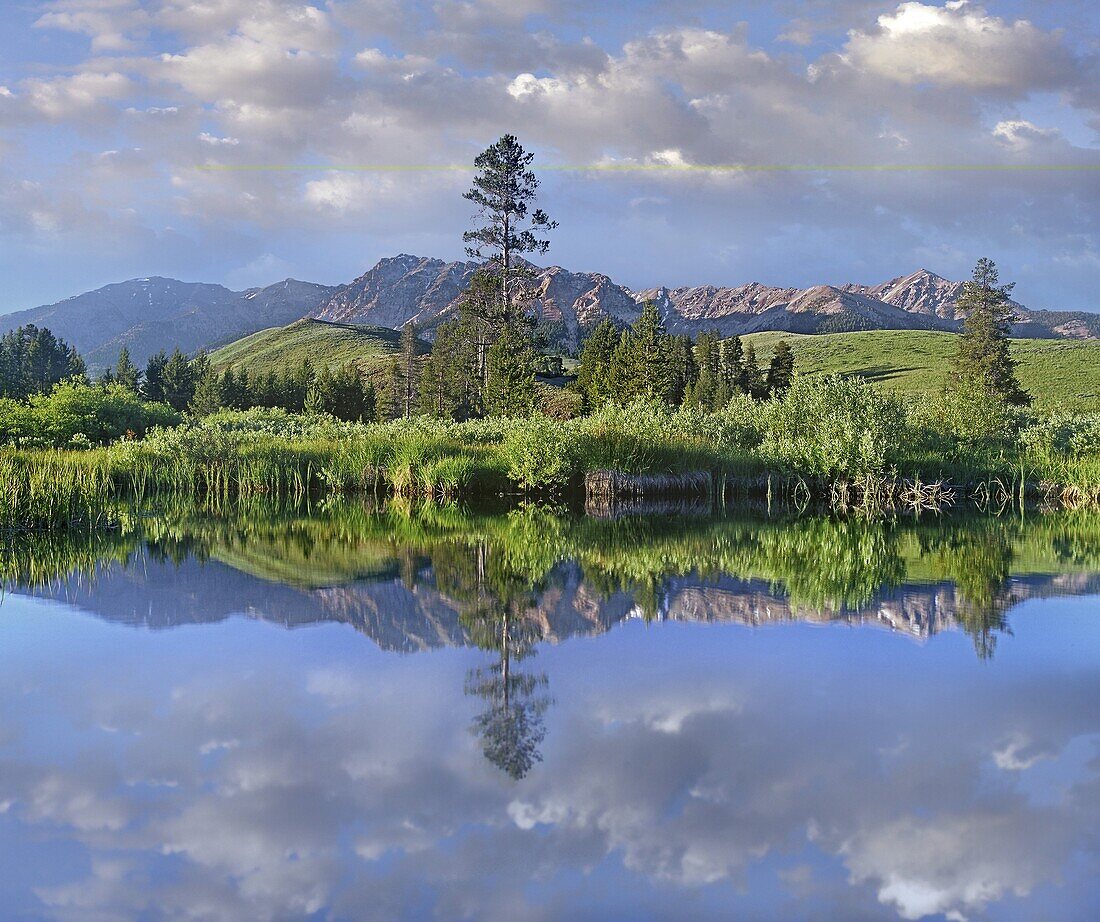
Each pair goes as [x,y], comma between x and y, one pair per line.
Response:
[154,313]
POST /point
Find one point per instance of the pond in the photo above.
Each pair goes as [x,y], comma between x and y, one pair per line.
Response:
[350,712]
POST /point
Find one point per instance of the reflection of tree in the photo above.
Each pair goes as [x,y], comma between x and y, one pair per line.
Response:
[498,616]
[512,727]
[978,560]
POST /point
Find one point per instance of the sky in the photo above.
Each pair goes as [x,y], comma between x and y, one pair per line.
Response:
[682,142]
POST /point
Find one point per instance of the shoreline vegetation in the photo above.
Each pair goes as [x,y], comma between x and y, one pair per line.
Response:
[827,442]
[646,415]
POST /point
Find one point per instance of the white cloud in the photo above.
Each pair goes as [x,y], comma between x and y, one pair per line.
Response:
[81,97]
[960,44]
[1020,134]
[110,24]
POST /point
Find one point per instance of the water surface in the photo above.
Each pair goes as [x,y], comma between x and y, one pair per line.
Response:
[345,713]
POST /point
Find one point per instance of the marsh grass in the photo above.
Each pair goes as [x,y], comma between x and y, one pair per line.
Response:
[831,440]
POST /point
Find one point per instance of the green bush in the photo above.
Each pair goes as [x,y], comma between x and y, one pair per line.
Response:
[834,427]
[76,414]
[539,453]
[1062,435]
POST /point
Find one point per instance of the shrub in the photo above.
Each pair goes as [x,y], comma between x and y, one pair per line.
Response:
[558,403]
[834,427]
[539,453]
[98,414]
[1062,435]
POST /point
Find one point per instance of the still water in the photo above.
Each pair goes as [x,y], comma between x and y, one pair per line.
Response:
[345,713]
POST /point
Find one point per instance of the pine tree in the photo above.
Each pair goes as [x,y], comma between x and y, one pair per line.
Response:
[510,384]
[504,189]
[685,370]
[153,386]
[33,360]
[408,368]
[983,361]
[320,395]
[442,390]
[594,368]
[733,358]
[708,360]
[179,379]
[780,369]
[208,394]
[126,372]
[653,376]
[752,377]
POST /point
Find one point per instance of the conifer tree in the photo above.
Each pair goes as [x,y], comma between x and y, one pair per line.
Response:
[652,375]
[685,372]
[594,368]
[733,357]
[752,377]
[504,189]
[510,383]
[153,386]
[443,388]
[780,369]
[708,360]
[408,368]
[208,394]
[179,378]
[983,361]
[126,372]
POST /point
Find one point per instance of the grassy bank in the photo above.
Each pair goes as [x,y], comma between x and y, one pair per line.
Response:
[830,438]
[1060,374]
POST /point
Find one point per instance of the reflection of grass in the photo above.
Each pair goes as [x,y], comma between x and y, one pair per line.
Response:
[1061,374]
[820,563]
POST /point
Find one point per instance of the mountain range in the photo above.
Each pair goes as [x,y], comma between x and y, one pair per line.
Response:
[149,314]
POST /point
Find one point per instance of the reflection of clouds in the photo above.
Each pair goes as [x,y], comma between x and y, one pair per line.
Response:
[956,864]
[277,779]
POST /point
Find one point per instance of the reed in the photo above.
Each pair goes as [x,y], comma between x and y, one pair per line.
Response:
[829,442]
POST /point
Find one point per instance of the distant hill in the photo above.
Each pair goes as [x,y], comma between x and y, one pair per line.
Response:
[1057,373]
[322,342]
[147,315]
[156,313]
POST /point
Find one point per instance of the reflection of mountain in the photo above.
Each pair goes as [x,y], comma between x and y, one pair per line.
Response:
[402,617]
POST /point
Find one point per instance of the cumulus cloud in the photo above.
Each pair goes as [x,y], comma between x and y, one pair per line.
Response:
[112,25]
[960,44]
[234,84]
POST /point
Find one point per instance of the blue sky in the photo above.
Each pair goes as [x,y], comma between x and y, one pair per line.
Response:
[130,133]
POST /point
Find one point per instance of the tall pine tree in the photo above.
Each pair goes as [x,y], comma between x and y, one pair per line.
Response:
[983,362]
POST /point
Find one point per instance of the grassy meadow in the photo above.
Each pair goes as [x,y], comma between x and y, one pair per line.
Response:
[320,341]
[1060,374]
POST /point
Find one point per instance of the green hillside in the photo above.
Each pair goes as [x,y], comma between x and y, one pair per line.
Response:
[1058,373]
[335,344]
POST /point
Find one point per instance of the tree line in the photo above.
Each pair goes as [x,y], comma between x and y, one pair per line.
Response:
[33,360]
[485,360]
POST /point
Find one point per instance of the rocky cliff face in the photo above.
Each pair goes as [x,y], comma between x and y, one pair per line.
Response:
[146,315]
[927,294]
[426,291]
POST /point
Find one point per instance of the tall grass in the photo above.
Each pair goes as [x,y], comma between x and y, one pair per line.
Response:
[827,438]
